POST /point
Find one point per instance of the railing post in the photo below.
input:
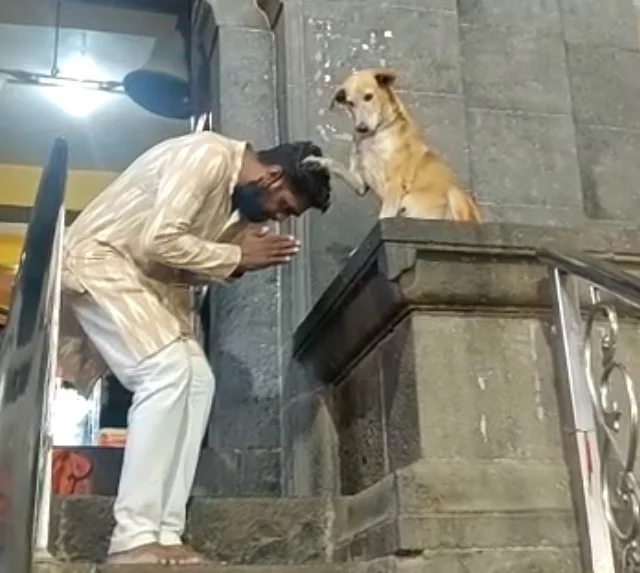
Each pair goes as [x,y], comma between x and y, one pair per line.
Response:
[579,419]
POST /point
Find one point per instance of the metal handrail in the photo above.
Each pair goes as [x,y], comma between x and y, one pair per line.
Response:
[604,275]
[602,464]
[27,369]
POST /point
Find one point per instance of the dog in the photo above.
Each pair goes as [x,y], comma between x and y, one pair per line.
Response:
[389,156]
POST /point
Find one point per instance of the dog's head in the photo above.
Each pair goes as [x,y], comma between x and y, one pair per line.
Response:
[368,97]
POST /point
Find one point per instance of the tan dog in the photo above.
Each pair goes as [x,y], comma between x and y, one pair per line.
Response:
[390,157]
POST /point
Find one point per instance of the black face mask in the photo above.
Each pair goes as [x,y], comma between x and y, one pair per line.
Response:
[247,200]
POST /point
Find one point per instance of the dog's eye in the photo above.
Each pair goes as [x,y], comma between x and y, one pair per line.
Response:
[368,97]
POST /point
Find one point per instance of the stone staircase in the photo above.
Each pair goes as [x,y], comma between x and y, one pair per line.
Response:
[234,531]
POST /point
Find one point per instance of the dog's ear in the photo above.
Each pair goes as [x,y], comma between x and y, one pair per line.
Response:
[385,77]
[340,97]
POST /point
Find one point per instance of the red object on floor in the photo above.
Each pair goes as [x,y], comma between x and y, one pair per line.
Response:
[71,473]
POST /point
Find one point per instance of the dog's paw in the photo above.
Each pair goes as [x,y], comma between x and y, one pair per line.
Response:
[316,162]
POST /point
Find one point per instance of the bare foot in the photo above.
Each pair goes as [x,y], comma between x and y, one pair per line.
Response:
[149,553]
[182,555]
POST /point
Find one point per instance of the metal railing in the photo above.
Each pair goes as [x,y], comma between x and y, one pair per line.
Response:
[603,442]
[27,370]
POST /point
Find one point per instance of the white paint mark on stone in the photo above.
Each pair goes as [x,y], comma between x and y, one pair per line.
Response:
[538,398]
[327,78]
[483,428]
[365,47]
[537,383]
[343,136]
[388,34]
[323,132]
[482,383]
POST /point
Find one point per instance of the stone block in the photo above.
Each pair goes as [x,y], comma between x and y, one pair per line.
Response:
[247,531]
[424,4]
[604,85]
[532,215]
[341,37]
[400,396]
[514,70]
[366,511]
[522,159]
[247,84]
[610,171]
[260,531]
[209,568]
[485,388]
[491,530]
[251,421]
[217,474]
[310,451]
[360,426]
[457,485]
[516,560]
[260,473]
[538,16]
[600,22]
[454,505]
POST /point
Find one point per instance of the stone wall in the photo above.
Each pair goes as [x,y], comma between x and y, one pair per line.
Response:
[534,103]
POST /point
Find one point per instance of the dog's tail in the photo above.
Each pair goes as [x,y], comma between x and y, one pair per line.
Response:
[462,207]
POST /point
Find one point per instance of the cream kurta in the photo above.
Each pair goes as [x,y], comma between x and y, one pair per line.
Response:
[161,226]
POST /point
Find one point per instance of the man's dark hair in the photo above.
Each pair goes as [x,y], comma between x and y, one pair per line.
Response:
[308,181]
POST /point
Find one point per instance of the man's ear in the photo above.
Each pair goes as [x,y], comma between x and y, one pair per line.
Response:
[340,97]
[385,77]
[274,173]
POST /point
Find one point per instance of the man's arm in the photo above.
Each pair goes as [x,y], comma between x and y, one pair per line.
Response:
[167,237]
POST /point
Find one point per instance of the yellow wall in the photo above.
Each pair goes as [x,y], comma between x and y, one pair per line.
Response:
[10,249]
[19,183]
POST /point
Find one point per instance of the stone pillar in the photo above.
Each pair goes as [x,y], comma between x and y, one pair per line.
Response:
[423,392]
[245,318]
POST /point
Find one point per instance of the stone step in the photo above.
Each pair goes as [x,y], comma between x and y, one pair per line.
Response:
[515,560]
[213,568]
[236,531]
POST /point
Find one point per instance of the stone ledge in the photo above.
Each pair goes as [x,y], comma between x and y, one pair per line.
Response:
[212,568]
[237,531]
[524,560]
[252,14]
[444,504]
[406,264]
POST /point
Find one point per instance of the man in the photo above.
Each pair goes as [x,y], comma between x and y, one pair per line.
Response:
[188,211]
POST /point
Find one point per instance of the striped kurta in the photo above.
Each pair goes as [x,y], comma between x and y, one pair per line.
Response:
[163,225]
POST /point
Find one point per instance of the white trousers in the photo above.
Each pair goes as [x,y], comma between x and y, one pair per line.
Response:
[172,395]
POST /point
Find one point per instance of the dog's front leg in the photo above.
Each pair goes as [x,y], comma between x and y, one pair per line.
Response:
[391,207]
[351,178]
[389,210]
